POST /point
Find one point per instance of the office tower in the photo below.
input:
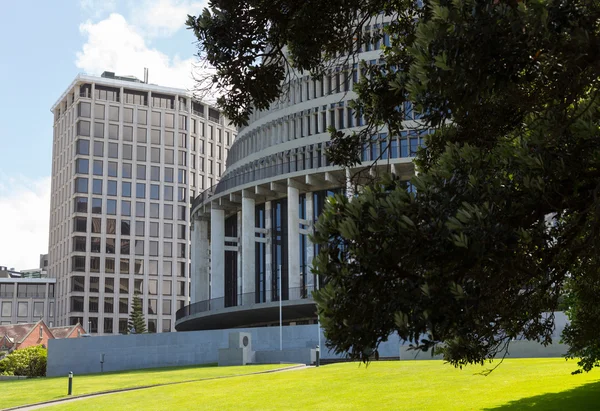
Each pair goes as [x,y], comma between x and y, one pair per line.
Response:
[127,158]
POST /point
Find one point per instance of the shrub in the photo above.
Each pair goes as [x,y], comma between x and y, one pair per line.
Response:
[30,362]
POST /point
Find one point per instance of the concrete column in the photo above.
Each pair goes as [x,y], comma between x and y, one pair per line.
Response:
[268,254]
[200,260]
[248,249]
[310,248]
[294,279]
[217,253]
[239,258]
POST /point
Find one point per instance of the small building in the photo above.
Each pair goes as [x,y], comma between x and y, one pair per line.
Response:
[71,331]
[26,300]
[16,336]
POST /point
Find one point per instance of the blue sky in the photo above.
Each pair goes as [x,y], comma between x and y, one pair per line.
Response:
[43,46]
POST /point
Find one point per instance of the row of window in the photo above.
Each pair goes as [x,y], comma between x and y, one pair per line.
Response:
[107,325]
[79,244]
[78,285]
[23,309]
[78,264]
[26,290]
[84,109]
[77,304]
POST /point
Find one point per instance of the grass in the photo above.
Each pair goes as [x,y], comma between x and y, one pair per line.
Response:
[21,392]
[530,384]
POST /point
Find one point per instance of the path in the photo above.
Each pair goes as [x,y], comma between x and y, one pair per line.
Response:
[101,394]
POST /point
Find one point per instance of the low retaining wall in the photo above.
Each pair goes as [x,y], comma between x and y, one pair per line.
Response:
[128,352]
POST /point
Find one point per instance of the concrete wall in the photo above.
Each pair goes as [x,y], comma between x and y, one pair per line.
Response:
[126,352]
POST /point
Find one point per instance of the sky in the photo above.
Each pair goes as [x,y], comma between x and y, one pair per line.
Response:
[43,46]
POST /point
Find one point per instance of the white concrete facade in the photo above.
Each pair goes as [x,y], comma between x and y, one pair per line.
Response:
[278,178]
[127,158]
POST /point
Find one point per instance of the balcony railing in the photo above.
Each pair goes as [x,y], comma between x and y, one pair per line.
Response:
[244,300]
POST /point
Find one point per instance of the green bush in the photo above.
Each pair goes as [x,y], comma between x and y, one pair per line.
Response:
[30,362]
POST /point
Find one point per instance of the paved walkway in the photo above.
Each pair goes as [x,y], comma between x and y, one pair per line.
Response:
[102,394]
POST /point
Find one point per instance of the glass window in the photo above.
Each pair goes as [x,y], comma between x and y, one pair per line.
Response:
[127,133]
[168,268]
[155,173]
[141,153]
[111,226]
[153,270]
[140,209]
[97,186]
[168,212]
[155,136]
[139,228]
[78,263]
[125,208]
[124,266]
[81,204]
[155,155]
[109,285]
[153,287]
[98,165]
[167,249]
[83,128]
[142,117]
[123,309]
[113,150]
[128,115]
[111,207]
[94,284]
[127,170]
[181,230]
[154,230]
[168,230]
[112,168]
[113,131]
[124,286]
[166,308]
[110,247]
[156,118]
[181,250]
[139,247]
[95,244]
[169,120]
[169,138]
[169,156]
[153,248]
[95,264]
[127,151]
[7,308]
[80,224]
[140,172]
[79,243]
[22,309]
[169,174]
[38,309]
[169,193]
[125,247]
[96,225]
[126,189]
[109,263]
[81,185]
[109,303]
[140,190]
[181,269]
[154,210]
[181,194]
[113,113]
[154,192]
[82,166]
[152,306]
[99,111]
[125,227]
[111,187]
[141,135]
[83,147]
[98,149]
[96,206]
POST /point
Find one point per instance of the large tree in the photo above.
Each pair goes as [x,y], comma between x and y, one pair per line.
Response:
[136,323]
[506,211]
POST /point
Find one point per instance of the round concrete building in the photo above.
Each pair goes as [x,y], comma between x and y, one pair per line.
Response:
[250,232]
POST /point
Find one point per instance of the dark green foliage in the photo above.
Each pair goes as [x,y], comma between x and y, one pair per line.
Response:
[29,362]
[137,322]
[507,202]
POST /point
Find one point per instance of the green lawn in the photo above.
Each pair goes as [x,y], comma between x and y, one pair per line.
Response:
[20,392]
[530,384]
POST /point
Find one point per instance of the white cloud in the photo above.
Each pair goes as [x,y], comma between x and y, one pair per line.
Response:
[24,219]
[115,45]
[161,18]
